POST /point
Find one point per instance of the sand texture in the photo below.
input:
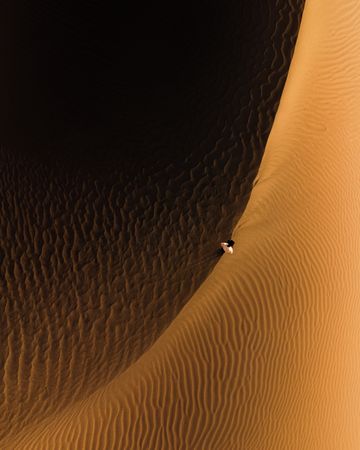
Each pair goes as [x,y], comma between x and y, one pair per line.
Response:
[265,354]
[97,248]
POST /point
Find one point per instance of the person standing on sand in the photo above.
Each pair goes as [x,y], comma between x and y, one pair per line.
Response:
[228,246]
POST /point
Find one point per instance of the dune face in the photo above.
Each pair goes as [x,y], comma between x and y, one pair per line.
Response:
[119,176]
[266,353]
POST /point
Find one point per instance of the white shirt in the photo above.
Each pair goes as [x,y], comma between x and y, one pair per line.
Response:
[226,247]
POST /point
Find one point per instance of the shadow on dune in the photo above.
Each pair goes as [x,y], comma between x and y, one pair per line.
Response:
[131,138]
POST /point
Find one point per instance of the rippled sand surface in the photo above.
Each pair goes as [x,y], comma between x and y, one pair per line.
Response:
[265,354]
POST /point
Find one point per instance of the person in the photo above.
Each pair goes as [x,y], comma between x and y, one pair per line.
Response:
[228,246]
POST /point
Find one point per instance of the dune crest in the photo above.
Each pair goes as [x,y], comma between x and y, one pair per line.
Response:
[115,190]
[265,355]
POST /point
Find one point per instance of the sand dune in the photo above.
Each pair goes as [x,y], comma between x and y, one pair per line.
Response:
[98,259]
[265,355]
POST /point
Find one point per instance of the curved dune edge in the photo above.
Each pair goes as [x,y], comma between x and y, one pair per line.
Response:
[97,249]
[98,255]
[266,353]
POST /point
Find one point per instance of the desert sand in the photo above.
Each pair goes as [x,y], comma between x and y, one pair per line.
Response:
[112,210]
[265,354]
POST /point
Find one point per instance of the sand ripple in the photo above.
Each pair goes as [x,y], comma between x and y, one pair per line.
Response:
[97,262]
[265,355]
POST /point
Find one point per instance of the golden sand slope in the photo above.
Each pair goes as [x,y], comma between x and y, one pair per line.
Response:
[98,259]
[266,353]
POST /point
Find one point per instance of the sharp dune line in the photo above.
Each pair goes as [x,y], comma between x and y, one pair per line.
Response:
[97,227]
[265,355]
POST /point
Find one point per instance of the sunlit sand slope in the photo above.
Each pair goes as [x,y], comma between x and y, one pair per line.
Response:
[108,230]
[266,353]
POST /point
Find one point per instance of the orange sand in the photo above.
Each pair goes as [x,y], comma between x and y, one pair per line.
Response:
[265,355]
[98,226]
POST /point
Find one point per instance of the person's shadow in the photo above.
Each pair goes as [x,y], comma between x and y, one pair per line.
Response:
[219,251]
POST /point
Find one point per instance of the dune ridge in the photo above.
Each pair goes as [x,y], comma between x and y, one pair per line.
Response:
[98,259]
[265,354]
